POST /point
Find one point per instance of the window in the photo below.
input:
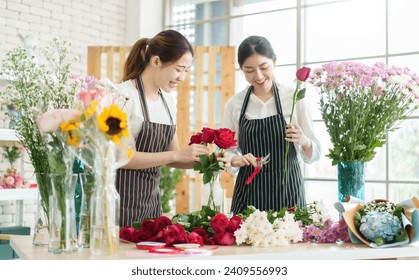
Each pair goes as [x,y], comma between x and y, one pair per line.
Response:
[313,32]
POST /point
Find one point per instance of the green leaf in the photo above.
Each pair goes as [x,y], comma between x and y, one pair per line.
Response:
[301,94]
[207,176]
[205,162]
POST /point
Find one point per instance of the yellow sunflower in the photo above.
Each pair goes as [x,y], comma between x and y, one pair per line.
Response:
[113,121]
[68,128]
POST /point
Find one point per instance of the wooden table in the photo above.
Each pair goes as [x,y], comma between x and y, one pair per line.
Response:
[301,251]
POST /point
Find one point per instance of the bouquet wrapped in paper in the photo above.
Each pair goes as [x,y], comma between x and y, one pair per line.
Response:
[381,223]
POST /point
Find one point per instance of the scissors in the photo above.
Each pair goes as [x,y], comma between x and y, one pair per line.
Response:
[260,162]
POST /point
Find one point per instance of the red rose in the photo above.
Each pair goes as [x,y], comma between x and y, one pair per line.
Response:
[174,234]
[161,222]
[201,231]
[224,138]
[219,222]
[127,233]
[208,135]
[209,241]
[303,73]
[291,209]
[196,138]
[194,237]
[148,226]
[224,238]
[142,235]
[234,224]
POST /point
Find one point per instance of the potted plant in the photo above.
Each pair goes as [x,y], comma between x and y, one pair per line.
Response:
[170,177]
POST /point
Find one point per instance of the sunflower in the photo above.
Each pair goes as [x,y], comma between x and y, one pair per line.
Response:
[69,128]
[113,121]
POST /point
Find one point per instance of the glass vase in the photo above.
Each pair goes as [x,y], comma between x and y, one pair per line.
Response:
[41,229]
[212,195]
[62,228]
[105,205]
[87,186]
[351,180]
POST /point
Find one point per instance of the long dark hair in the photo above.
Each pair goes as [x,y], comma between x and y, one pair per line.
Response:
[252,45]
[168,45]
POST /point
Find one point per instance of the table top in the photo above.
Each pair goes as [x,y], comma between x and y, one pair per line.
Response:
[22,244]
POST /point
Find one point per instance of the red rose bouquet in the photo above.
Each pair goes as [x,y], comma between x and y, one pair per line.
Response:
[208,165]
[200,227]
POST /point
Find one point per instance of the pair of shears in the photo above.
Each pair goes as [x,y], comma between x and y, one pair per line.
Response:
[260,162]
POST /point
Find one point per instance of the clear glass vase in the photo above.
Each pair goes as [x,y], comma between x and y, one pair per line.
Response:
[105,205]
[62,228]
[212,194]
[87,186]
[351,180]
[41,229]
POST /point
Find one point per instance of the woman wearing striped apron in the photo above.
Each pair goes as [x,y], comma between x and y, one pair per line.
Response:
[153,68]
[258,115]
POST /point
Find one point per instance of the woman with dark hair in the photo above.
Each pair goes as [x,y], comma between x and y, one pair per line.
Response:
[153,68]
[258,114]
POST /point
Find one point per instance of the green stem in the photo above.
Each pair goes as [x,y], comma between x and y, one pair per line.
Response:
[294,97]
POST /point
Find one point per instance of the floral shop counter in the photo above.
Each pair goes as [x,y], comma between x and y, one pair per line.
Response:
[299,251]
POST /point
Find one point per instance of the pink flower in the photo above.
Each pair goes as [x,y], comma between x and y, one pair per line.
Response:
[51,120]
[10,180]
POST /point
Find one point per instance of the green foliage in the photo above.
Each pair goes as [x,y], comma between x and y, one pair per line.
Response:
[201,218]
[169,178]
[209,166]
[11,154]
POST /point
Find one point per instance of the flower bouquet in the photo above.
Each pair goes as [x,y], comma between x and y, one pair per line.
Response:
[11,179]
[209,166]
[200,227]
[380,223]
[361,104]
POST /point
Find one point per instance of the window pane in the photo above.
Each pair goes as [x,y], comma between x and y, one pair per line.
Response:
[189,11]
[197,34]
[404,151]
[402,26]
[401,192]
[243,7]
[280,32]
[334,32]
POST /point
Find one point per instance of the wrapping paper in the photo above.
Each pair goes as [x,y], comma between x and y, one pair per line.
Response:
[410,221]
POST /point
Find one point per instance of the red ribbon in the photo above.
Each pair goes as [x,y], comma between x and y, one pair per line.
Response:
[257,170]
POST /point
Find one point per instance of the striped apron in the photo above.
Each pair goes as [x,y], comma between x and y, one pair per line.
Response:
[139,189]
[261,137]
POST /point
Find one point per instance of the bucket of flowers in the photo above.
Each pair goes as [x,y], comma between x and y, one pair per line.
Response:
[380,223]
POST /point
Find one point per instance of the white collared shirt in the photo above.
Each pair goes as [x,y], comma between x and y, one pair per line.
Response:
[257,109]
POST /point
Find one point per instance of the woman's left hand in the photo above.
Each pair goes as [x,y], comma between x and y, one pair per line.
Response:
[295,134]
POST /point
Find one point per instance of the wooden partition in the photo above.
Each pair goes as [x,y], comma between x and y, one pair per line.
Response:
[200,103]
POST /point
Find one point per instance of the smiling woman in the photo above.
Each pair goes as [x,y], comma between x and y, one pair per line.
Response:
[153,68]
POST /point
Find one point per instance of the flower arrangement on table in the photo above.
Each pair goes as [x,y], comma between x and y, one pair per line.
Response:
[381,223]
[253,227]
[34,88]
[209,166]
[96,131]
[361,104]
[11,179]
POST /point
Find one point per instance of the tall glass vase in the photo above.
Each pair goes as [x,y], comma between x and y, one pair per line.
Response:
[87,186]
[41,229]
[63,236]
[351,180]
[104,233]
[212,195]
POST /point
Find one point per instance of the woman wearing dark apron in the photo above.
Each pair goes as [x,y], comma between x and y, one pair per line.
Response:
[258,115]
[153,68]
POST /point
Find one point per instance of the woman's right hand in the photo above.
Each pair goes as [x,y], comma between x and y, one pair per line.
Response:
[245,160]
[191,153]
